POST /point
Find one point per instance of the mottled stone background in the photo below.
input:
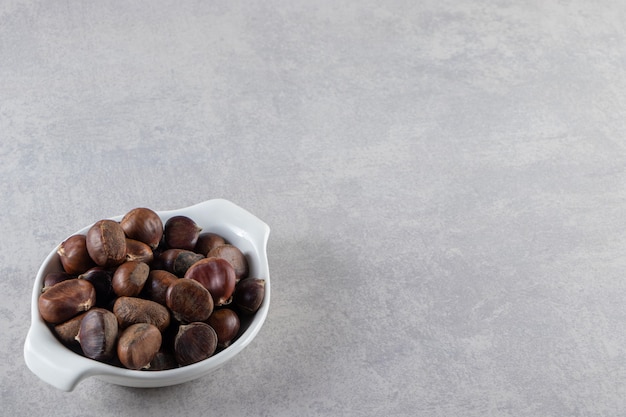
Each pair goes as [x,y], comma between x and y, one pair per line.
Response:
[445,183]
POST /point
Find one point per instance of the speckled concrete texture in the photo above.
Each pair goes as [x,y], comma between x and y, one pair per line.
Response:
[445,183]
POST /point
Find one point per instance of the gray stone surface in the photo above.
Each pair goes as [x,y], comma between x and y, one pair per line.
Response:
[445,183]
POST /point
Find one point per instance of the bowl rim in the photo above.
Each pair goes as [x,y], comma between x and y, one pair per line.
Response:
[45,355]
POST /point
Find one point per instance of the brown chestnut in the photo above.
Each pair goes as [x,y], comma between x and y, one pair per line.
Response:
[207,241]
[138,345]
[157,284]
[162,361]
[53,278]
[226,324]
[131,310]
[216,275]
[66,300]
[100,278]
[178,261]
[234,256]
[194,342]
[249,294]
[67,331]
[144,225]
[74,256]
[98,334]
[181,232]
[189,300]
[138,251]
[157,262]
[129,278]
[106,243]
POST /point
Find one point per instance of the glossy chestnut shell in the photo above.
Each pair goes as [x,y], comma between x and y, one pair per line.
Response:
[129,278]
[234,257]
[194,342]
[249,294]
[181,232]
[74,256]
[226,324]
[189,301]
[66,299]
[138,345]
[144,225]
[216,275]
[106,243]
[98,334]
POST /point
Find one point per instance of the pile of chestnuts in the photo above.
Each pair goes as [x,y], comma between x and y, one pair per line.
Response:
[144,295]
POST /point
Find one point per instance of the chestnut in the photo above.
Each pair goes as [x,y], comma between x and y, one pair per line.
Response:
[249,294]
[194,342]
[162,361]
[106,243]
[53,278]
[129,278]
[100,278]
[207,241]
[234,256]
[67,331]
[216,275]
[131,310]
[138,251]
[189,300]
[74,256]
[181,232]
[138,345]
[66,300]
[157,284]
[157,262]
[144,225]
[226,324]
[98,334]
[178,261]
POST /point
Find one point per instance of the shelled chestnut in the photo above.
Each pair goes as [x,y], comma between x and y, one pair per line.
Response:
[145,294]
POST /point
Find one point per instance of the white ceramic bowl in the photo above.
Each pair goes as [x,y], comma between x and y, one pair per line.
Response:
[59,366]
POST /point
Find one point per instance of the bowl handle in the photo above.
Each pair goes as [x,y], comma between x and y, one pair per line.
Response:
[55,365]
